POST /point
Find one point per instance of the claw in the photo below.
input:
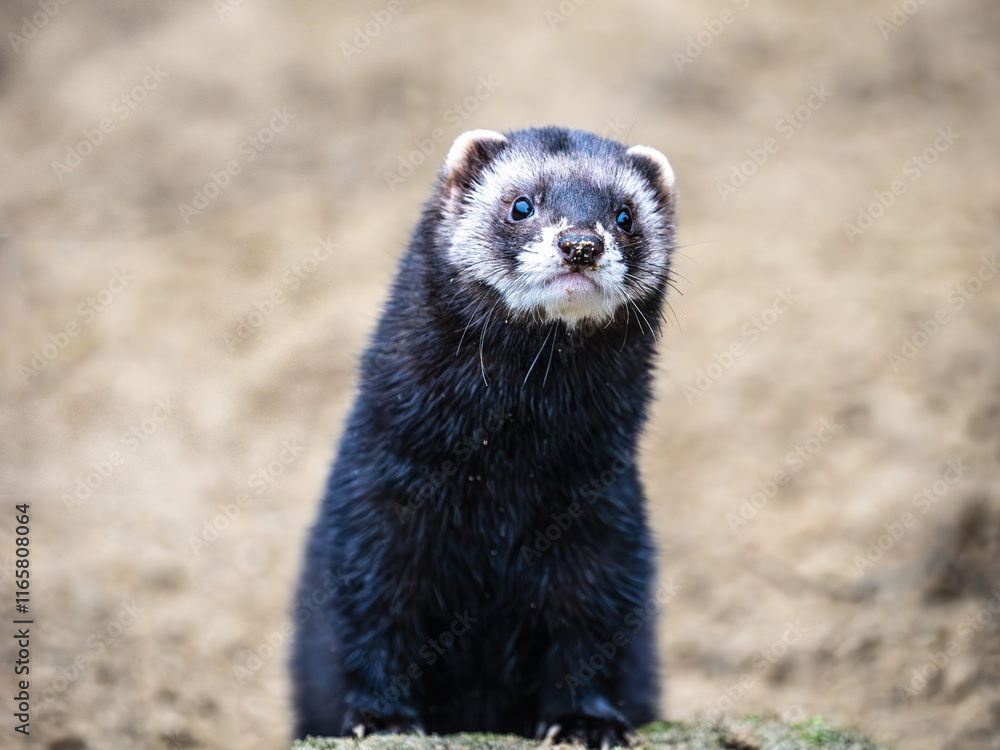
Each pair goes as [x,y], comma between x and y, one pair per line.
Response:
[359,731]
[550,735]
[589,731]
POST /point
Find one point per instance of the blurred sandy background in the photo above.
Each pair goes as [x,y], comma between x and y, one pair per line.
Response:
[151,380]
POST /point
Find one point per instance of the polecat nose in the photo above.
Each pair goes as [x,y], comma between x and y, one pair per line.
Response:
[580,249]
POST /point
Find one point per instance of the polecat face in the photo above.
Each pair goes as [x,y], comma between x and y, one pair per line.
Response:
[563,225]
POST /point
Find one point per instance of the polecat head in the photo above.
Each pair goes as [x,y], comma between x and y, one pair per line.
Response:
[561,224]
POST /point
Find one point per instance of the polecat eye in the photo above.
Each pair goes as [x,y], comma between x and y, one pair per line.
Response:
[624,220]
[521,208]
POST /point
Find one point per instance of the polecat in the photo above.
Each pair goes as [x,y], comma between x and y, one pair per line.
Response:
[482,543]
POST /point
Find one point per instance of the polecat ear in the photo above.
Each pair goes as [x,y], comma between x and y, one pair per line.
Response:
[471,152]
[648,154]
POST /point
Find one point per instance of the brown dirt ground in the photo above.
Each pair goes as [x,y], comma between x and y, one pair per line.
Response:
[159,631]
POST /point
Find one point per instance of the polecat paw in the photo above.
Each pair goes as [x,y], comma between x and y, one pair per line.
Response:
[598,732]
[361,722]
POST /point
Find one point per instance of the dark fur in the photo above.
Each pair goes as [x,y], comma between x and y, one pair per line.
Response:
[391,566]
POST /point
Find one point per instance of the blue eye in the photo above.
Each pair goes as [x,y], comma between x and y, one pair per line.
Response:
[521,209]
[624,220]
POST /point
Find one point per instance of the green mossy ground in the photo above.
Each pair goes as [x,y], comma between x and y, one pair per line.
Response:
[752,733]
